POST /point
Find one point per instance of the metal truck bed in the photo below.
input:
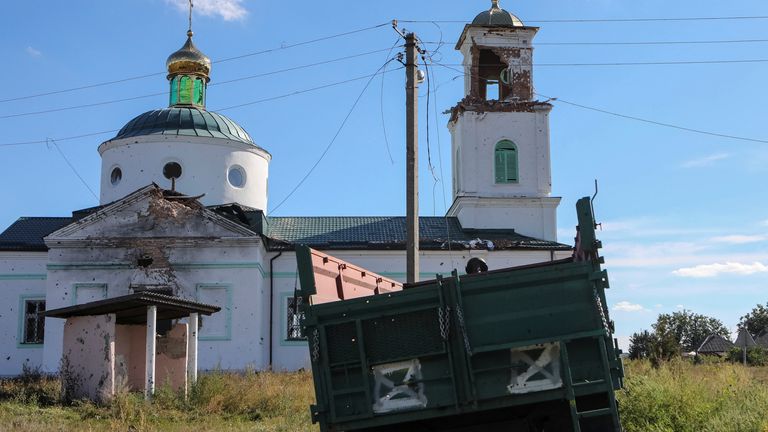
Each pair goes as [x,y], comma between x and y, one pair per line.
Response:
[523,348]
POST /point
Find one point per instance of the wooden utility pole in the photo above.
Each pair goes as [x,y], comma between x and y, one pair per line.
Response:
[412,158]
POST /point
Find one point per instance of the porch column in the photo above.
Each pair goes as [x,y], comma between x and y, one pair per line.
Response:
[192,349]
[149,374]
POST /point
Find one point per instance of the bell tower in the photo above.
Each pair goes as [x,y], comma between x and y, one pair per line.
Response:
[500,132]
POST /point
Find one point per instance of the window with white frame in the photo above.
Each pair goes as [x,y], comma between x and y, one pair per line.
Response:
[295,317]
[34,322]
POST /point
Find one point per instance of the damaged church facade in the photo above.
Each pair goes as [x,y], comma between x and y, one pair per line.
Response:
[183,204]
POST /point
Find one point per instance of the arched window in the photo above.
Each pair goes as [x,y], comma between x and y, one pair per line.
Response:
[185,90]
[505,161]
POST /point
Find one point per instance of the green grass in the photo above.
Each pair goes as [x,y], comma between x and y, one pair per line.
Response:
[252,401]
[680,397]
[676,397]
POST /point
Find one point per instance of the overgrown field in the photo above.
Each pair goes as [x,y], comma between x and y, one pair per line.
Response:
[676,397]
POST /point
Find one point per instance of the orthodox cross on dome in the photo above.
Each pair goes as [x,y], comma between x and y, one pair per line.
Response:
[189,32]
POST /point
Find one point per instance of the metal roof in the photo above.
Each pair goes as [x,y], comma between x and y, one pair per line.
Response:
[388,232]
[715,344]
[26,234]
[132,308]
[496,16]
[184,121]
[319,232]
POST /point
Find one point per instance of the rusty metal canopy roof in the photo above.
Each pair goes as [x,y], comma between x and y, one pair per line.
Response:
[184,121]
[132,308]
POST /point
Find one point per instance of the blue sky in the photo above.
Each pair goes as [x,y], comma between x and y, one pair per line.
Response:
[685,223]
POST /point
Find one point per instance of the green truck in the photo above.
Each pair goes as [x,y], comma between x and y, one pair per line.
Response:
[525,348]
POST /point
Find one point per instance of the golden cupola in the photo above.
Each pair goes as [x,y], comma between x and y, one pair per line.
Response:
[188,74]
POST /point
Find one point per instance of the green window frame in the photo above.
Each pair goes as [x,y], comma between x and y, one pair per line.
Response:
[31,321]
[174,91]
[505,162]
[185,90]
[199,92]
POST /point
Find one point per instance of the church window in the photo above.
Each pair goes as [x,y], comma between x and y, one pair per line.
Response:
[116,176]
[199,88]
[172,170]
[295,330]
[505,161]
[174,91]
[236,176]
[185,90]
[34,322]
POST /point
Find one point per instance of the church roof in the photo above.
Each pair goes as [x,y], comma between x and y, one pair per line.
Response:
[388,232]
[319,232]
[184,121]
[26,234]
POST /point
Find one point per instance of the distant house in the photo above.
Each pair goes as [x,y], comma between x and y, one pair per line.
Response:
[715,344]
[762,338]
[744,339]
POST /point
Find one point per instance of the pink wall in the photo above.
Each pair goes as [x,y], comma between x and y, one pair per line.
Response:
[88,358]
[171,360]
[130,348]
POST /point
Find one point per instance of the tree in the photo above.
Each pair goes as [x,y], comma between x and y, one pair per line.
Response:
[756,321]
[672,334]
[690,329]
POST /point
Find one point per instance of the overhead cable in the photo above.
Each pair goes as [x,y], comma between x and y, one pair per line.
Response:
[282,47]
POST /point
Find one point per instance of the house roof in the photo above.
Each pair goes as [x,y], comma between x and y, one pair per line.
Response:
[26,234]
[762,338]
[744,339]
[714,343]
[132,308]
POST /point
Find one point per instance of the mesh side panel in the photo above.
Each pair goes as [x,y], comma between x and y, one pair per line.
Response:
[402,336]
[342,342]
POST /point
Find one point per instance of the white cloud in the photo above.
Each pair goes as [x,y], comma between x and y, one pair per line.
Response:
[712,270]
[228,10]
[739,239]
[680,306]
[704,161]
[626,306]
[33,52]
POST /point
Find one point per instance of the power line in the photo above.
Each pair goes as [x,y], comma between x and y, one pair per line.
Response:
[258,101]
[640,119]
[336,135]
[696,42]
[654,122]
[607,20]
[74,170]
[283,47]
[113,101]
[650,63]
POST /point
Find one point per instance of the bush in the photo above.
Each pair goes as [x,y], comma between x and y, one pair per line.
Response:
[756,356]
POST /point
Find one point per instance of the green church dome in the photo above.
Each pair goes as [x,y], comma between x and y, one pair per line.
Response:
[184,121]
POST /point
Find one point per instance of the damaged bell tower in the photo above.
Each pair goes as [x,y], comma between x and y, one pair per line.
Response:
[500,133]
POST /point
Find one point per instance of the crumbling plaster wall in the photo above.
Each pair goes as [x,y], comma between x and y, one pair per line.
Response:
[88,360]
[187,249]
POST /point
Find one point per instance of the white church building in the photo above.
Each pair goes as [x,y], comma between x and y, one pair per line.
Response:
[209,238]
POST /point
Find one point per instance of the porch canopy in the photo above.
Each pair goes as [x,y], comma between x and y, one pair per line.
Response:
[115,341]
[132,308]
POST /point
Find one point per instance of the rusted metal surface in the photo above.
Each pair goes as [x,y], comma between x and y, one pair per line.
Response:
[479,105]
[335,279]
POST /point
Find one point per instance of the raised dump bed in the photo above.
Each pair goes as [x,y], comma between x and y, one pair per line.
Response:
[524,348]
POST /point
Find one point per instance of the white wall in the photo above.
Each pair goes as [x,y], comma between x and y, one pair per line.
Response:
[205,163]
[22,276]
